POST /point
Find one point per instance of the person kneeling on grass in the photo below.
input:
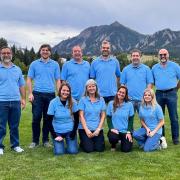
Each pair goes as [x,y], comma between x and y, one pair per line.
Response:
[63,121]
[152,120]
[120,114]
[92,115]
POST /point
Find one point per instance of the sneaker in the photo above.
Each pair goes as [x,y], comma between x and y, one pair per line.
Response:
[33,145]
[47,145]
[163,142]
[18,149]
[1,151]
[113,149]
[175,141]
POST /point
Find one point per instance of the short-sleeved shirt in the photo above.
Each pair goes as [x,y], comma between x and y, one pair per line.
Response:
[92,111]
[63,120]
[11,79]
[166,77]
[151,116]
[136,79]
[105,72]
[120,117]
[76,74]
[44,75]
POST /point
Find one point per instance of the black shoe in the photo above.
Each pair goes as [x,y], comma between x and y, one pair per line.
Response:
[175,141]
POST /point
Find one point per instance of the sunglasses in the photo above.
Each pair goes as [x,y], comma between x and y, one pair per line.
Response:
[162,55]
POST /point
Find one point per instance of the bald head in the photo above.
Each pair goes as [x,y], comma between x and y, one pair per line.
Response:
[163,55]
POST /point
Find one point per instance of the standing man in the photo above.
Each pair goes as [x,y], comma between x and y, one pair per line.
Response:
[106,71]
[76,73]
[167,81]
[137,77]
[46,73]
[12,98]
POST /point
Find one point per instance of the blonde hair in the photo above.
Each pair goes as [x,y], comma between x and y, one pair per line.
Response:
[153,101]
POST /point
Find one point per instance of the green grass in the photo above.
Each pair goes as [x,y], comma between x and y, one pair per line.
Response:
[40,163]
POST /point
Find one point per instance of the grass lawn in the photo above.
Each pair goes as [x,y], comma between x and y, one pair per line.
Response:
[40,163]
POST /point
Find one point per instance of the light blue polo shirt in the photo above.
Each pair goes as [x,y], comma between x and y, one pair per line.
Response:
[166,77]
[44,75]
[151,116]
[92,112]
[11,79]
[121,116]
[76,74]
[136,79]
[105,72]
[63,120]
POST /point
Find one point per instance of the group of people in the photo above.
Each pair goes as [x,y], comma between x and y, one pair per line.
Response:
[86,96]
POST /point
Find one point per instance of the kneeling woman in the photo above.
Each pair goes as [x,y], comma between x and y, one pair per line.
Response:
[92,115]
[120,114]
[63,121]
[152,120]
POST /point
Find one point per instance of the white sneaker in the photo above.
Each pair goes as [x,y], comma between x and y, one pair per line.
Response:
[18,149]
[1,151]
[163,142]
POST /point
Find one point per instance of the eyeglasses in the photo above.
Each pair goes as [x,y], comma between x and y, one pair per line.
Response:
[162,55]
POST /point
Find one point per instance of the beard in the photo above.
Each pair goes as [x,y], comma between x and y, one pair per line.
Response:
[105,53]
[6,60]
[163,61]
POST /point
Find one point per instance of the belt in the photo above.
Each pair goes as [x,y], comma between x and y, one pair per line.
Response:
[165,91]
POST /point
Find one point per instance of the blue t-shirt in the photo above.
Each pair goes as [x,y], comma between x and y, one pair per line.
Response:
[136,79]
[44,75]
[63,119]
[105,72]
[92,112]
[76,74]
[11,79]
[121,116]
[151,116]
[166,77]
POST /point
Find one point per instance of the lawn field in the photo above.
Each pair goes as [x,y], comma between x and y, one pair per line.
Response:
[40,163]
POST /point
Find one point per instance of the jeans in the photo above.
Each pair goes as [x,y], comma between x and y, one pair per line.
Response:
[146,142]
[136,105]
[71,145]
[10,111]
[39,109]
[169,98]
[108,99]
[95,143]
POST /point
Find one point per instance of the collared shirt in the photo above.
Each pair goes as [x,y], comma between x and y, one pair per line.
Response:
[151,116]
[92,111]
[11,79]
[44,75]
[136,79]
[76,74]
[121,116]
[63,120]
[166,77]
[105,72]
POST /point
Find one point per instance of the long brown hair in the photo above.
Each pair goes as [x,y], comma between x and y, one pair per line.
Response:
[69,98]
[116,100]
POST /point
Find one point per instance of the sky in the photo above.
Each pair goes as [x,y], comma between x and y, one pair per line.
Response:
[30,23]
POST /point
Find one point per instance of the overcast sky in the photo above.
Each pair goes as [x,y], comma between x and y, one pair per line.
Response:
[33,22]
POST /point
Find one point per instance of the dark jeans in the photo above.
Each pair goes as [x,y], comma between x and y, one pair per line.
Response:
[108,99]
[169,98]
[91,144]
[126,146]
[10,111]
[39,109]
[136,105]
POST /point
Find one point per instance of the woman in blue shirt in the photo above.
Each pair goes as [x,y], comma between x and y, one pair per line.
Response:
[120,114]
[64,119]
[152,120]
[92,114]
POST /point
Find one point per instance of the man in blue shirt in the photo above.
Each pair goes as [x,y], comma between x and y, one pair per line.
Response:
[76,73]
[46,73]
[167,81]
[137,77]
[12,98]
[106,71]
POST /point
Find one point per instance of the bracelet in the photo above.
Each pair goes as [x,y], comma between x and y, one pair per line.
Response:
[128,132]
[98,129]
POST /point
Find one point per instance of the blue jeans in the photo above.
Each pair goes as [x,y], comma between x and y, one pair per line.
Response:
[71,145]
[10,111]
[146,142]
[39,109]
[170,99]
[136,105]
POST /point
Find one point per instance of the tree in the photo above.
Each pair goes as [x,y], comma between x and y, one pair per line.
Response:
[3,42]
[123,60]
